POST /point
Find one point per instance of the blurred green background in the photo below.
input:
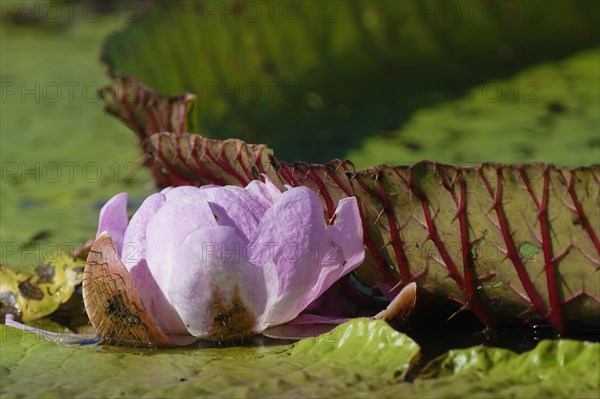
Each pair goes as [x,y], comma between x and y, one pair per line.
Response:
[62,157]
[374,82]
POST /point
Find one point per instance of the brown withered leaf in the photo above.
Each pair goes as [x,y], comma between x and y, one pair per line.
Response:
[112,302]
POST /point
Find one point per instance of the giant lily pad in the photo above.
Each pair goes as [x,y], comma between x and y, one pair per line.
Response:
[560,369]
[550,113]
[62,157]
[505,241]
[330,74]
[360,358]
[486,236]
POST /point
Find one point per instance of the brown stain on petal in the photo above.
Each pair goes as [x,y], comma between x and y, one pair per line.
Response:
[231,319]
[112,302]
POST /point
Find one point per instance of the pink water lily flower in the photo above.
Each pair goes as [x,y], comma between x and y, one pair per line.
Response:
[226,262]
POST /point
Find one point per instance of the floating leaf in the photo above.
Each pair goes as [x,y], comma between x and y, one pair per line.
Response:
[32,297]
[456,230]
[560,369]
[333,73]
[432,221]
[51,193]
[549,112]
[359,356]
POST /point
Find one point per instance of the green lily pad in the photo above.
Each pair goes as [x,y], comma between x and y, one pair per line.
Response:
[561,369]
[333,73]
[62,156]
[359,356]
[547,113]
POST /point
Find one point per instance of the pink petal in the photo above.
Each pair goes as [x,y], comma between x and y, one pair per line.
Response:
[134,259]
[159,307]
[235,207]
[216,291]
[113,219]
[346,231]
[134,240]
[290,236]
[333,302]
[171,192]
[304,326]
[167,230]
[346,251]
[265,192]
[293,236]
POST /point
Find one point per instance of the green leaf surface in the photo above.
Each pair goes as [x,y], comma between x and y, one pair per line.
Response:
[358,357]
[547,113]
[62,156]
[562,369]
[361,358]
[331,73]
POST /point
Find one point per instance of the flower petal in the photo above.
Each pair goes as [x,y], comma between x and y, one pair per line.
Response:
[112,302]
[347,232]
[113,219]
[155,301]
[402,305]
[216,291]
[291,235]
[171,192]
[333,302]
[165,233]
[304,326]
[266,192]
[346,251]
[235,207]
[134,259]
[305,251]
[134,239]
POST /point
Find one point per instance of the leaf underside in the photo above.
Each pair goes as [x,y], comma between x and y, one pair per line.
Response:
[506,241]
